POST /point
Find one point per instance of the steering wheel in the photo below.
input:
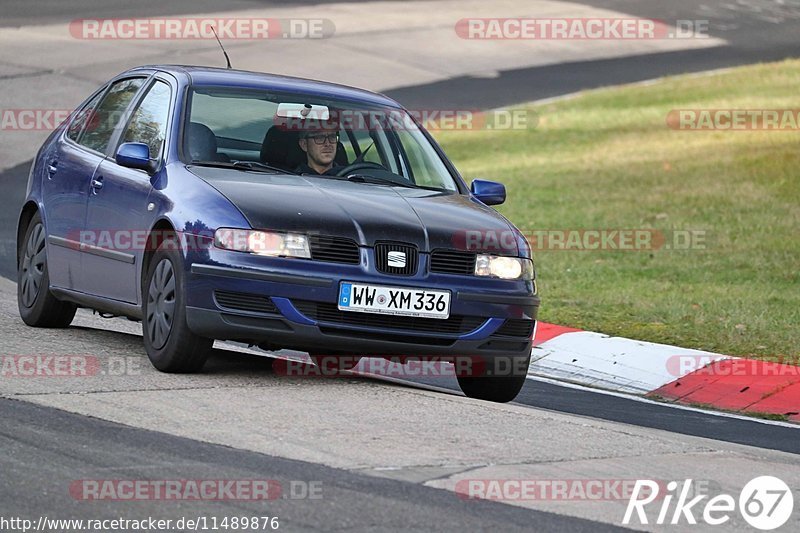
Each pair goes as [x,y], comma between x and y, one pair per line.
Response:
[359,165]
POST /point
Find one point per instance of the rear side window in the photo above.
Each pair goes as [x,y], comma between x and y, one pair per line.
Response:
[82,117]
[149,122]
[234,116]
[109,114]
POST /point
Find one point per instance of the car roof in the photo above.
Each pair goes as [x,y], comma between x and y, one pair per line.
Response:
[200,75]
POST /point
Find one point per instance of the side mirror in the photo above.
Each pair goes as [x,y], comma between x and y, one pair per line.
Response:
[489,192]
[135,155]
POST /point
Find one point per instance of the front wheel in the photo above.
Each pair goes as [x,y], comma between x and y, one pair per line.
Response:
[170,344]
[37,306]
[501,380]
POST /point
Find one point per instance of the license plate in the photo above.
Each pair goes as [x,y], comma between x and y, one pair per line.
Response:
[401,301]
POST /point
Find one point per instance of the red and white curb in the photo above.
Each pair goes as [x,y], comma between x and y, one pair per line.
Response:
[685,376]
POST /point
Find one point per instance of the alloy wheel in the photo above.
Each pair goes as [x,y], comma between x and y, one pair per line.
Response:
[161,304]
[33,266]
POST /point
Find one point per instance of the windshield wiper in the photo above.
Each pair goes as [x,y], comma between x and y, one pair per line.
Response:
[362,178]
[241,165]
[257,165]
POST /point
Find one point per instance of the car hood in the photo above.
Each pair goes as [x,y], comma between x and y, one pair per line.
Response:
[365,213]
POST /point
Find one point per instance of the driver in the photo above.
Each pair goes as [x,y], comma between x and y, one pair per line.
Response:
[320,148]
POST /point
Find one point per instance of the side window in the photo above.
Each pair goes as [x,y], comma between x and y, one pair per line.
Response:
[239,119]
[375,143]
[149,122]
[109,113]
[82,117]
[425,165]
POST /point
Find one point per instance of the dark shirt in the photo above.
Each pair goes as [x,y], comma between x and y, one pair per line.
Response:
[305,169]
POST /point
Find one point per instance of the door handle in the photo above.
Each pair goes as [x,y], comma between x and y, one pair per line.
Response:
[52,168]
[97,183]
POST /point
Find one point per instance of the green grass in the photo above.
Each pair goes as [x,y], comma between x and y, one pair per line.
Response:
[606,159]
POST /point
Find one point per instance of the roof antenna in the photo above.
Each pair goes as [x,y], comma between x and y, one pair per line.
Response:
[227,59]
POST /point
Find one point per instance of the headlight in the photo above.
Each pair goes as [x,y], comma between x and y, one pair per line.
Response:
[504,267]
[263,242]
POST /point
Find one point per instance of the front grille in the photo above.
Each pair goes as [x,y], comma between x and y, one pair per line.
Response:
[453,262]
[408,252]
[334,249]
[330,313]
[239,301]
[516,327]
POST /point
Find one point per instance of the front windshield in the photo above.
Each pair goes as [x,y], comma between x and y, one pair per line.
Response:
[268,131]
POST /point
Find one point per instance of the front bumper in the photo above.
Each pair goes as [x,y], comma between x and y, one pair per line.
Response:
[292,304]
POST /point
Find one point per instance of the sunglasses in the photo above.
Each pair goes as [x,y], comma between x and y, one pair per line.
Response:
[320,139]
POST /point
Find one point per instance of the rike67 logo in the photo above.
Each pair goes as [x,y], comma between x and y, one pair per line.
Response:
[766,503]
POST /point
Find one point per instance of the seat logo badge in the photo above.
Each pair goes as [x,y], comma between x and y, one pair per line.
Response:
[397,259]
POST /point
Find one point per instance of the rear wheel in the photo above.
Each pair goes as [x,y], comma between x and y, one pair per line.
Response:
[502,381]
[169,343]
[37,306]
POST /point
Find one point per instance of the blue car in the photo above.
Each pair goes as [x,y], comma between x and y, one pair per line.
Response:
[279,212]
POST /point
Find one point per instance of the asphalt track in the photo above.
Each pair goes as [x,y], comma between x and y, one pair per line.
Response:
[47,449]
[72,445]
[22,12]
[751,28]
[756,30]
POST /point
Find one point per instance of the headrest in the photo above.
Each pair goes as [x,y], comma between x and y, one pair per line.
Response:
[200,142]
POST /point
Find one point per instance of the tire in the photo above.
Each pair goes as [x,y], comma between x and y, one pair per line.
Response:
[332,363]
[37,305]
[170,344]
[497,388]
